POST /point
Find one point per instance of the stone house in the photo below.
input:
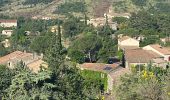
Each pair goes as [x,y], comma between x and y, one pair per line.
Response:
[31,60]
[138,57]
[113,71]
[126,42]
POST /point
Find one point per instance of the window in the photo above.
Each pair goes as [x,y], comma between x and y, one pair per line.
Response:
[9,64]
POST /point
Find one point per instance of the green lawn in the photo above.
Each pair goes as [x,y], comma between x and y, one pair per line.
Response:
[96,76]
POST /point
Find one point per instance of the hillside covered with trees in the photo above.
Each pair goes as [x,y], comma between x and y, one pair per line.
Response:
[74,42]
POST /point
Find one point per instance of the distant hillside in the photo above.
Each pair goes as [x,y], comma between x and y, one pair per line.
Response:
[96,8]
[137,5]
[29,8]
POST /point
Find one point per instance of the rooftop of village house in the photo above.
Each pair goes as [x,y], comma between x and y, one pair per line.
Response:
[160,48]
[140,55]
[8,21]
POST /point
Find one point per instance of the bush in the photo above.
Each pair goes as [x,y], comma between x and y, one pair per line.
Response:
[27,2]
[76,56]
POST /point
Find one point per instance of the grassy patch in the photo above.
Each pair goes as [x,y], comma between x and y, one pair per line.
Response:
[95,76]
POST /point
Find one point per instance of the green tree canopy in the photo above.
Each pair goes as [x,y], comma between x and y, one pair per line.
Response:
[89,45]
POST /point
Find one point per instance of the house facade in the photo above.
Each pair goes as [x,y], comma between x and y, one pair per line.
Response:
[155,54]
[31,60]
[165,40]
[126,42]
[7,32]
[138,57]
[98,22]
[8,23]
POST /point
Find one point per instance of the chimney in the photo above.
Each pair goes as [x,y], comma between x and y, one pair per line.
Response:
[34,55]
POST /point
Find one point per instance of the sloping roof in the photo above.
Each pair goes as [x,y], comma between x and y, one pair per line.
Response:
[159,61]
[33,63]
[6,58]
[160,49]
[35,66]
[8,21]
[140,56]
[115,74]
[125,38]
[99,66]
[14,56]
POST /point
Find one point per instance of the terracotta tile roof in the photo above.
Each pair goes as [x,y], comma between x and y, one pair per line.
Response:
[140,56]
[32,63]
[159,61]
[12,55]
[168,48]
[15,56]
[8,21]
[99,66]
[35,66]
[118,72]
[160,49]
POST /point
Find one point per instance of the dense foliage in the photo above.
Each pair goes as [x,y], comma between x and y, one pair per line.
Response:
[73,26]
[96,77]
[6,77]
[69,7]
[3,2]
[139,2]
[88,45]
[150,26]
[60,81]
[34,2]
[150,84]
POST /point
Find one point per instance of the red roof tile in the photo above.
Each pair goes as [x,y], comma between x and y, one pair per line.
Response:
[99,66]
[140,56]
[13,55]
[160,49]
[8,21]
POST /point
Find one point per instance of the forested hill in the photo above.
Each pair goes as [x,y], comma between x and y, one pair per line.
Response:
[137,5]
[94,7]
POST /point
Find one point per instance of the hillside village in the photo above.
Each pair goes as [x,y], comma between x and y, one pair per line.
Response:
[82,57]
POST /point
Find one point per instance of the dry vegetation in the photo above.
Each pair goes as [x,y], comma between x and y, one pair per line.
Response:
[95,8]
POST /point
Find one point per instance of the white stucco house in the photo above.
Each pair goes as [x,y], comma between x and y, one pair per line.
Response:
[7,32]
[126,42]
[8,23]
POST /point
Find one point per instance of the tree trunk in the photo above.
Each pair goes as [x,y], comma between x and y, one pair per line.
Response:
[90,56]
